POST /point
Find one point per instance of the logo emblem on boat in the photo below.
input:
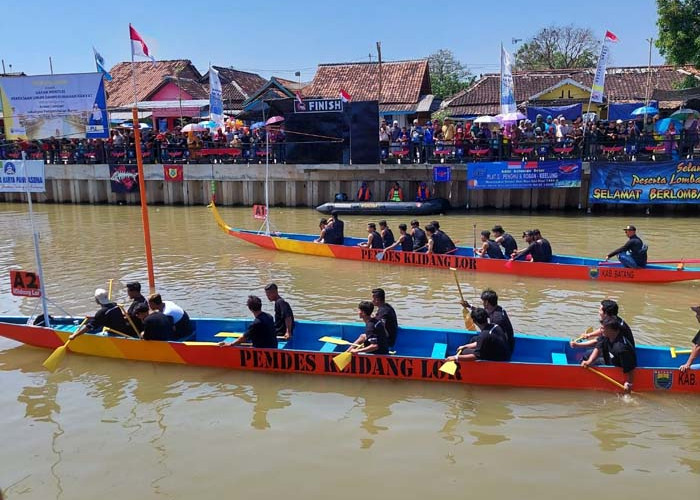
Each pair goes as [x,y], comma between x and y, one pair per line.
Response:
[663,379]
[593,272]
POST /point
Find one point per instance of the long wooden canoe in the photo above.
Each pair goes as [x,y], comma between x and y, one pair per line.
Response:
[544,362]
[463,259]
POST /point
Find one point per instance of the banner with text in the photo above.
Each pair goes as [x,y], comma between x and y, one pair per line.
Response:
[20,176]
[38,107]
[524,175]
[645,183]
[124,178]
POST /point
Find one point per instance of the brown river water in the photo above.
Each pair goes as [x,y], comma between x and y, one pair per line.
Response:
[140,430]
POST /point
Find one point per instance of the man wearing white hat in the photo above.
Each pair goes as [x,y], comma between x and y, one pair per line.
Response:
[108,316]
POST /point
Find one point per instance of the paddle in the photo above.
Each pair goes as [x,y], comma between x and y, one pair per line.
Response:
[335,340]
[59,353]
[128,318]
[228,334]
[583,336]
[450,367]
[609,379]
[342,360]
[468,322]
[675,352]
[109,291]
[671,261]
[116,332]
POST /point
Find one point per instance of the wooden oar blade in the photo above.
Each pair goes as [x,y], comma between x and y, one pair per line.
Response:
[56,357]
[449,367]
[334,340]
[342,360]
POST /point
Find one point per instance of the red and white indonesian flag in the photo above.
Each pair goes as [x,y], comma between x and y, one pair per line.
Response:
[298,97]
[344,96]
[138,46]
[598,86]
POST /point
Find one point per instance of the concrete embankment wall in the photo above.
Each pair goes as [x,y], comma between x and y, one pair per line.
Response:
[290,185]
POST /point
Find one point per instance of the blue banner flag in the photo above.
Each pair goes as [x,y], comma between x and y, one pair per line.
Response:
[216,104]
[671,182]
[524,175]
[100,63]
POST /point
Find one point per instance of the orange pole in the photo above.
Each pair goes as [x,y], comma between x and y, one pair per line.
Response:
[144,201]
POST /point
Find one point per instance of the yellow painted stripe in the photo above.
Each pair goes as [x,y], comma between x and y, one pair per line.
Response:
[123,348]
[304,247]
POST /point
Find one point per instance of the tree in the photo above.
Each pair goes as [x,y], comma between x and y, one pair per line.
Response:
[447,75]
[559,47]
[679,33]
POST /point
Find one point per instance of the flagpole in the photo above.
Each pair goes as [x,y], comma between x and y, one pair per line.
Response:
[350,126]
[142,181]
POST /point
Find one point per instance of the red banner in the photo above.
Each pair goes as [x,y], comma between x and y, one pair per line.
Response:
[173,173]
[25,284]
[260,212]
[124,178]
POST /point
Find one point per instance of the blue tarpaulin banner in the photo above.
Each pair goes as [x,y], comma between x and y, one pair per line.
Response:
[570,112]
[670,182]
[623,110]
[524,175]
[442,174]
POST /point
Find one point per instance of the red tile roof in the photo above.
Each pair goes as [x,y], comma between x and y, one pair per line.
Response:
[236,86]
[149,77]
[402,81]
[623,84]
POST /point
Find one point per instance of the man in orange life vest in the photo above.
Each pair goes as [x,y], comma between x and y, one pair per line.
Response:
[422,193]
[364,194]
[395,193]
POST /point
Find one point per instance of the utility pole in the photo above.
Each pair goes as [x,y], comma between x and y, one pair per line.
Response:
[3,67]
[50,65]
[379,58]
[646,94]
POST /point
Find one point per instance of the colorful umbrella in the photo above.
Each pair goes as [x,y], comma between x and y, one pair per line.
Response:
[274,119]
[662,125]
[685,113]
[510,117]
[193,127]
[257,125]
[486,119]
[645,110]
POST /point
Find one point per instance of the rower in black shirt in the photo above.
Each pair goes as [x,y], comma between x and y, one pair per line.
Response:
[284,317]
[633,253]
[615,350]
[438,242]
[374,339]
[405,241]
[386,314]
[490,344]
[108,316]
[386,233]
[535,249]
[448,241]
[489,248]
[156,325]
[505,240]
[133,290]
[420,240]
[374,239]
[544,244]
[261,332]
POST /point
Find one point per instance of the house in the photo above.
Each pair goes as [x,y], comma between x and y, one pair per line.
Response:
[625,88]
[167,91]
[236,87]
[404,94]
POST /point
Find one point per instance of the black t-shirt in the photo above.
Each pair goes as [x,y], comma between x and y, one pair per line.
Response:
[419,238]
[282,311]
[618,352]
[158,326]
[499,317]
[387,237]
[696,339]
[377,241]
[492,344]
[261,332]
[494,251]
[110,316]
[442,243]
[376,334]
[386,314]
[626,331]
[509,244]
[406,242]
[546,250]
[137,322]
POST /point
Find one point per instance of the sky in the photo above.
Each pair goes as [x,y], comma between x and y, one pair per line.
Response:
[280,38]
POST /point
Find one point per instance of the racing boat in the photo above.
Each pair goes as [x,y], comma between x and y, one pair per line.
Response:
[537,361]
[463,259]
[428,207]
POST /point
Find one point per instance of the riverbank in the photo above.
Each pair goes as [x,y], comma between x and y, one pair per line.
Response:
[304,186]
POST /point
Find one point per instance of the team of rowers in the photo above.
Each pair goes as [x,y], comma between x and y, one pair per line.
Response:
[157,319]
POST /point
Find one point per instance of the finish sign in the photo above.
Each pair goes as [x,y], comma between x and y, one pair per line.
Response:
[25,284]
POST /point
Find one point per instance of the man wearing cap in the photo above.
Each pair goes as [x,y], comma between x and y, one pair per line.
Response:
[633,253]
[108,316]
[695,351]
[284,317]
[133,290]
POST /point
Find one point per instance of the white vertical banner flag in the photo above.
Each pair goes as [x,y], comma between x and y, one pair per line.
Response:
[216,104]
[507,90]
[599,79]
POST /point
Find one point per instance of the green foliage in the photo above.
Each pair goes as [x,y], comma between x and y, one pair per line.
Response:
[688,82]
[559,47]
[679,31]
[447,75]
